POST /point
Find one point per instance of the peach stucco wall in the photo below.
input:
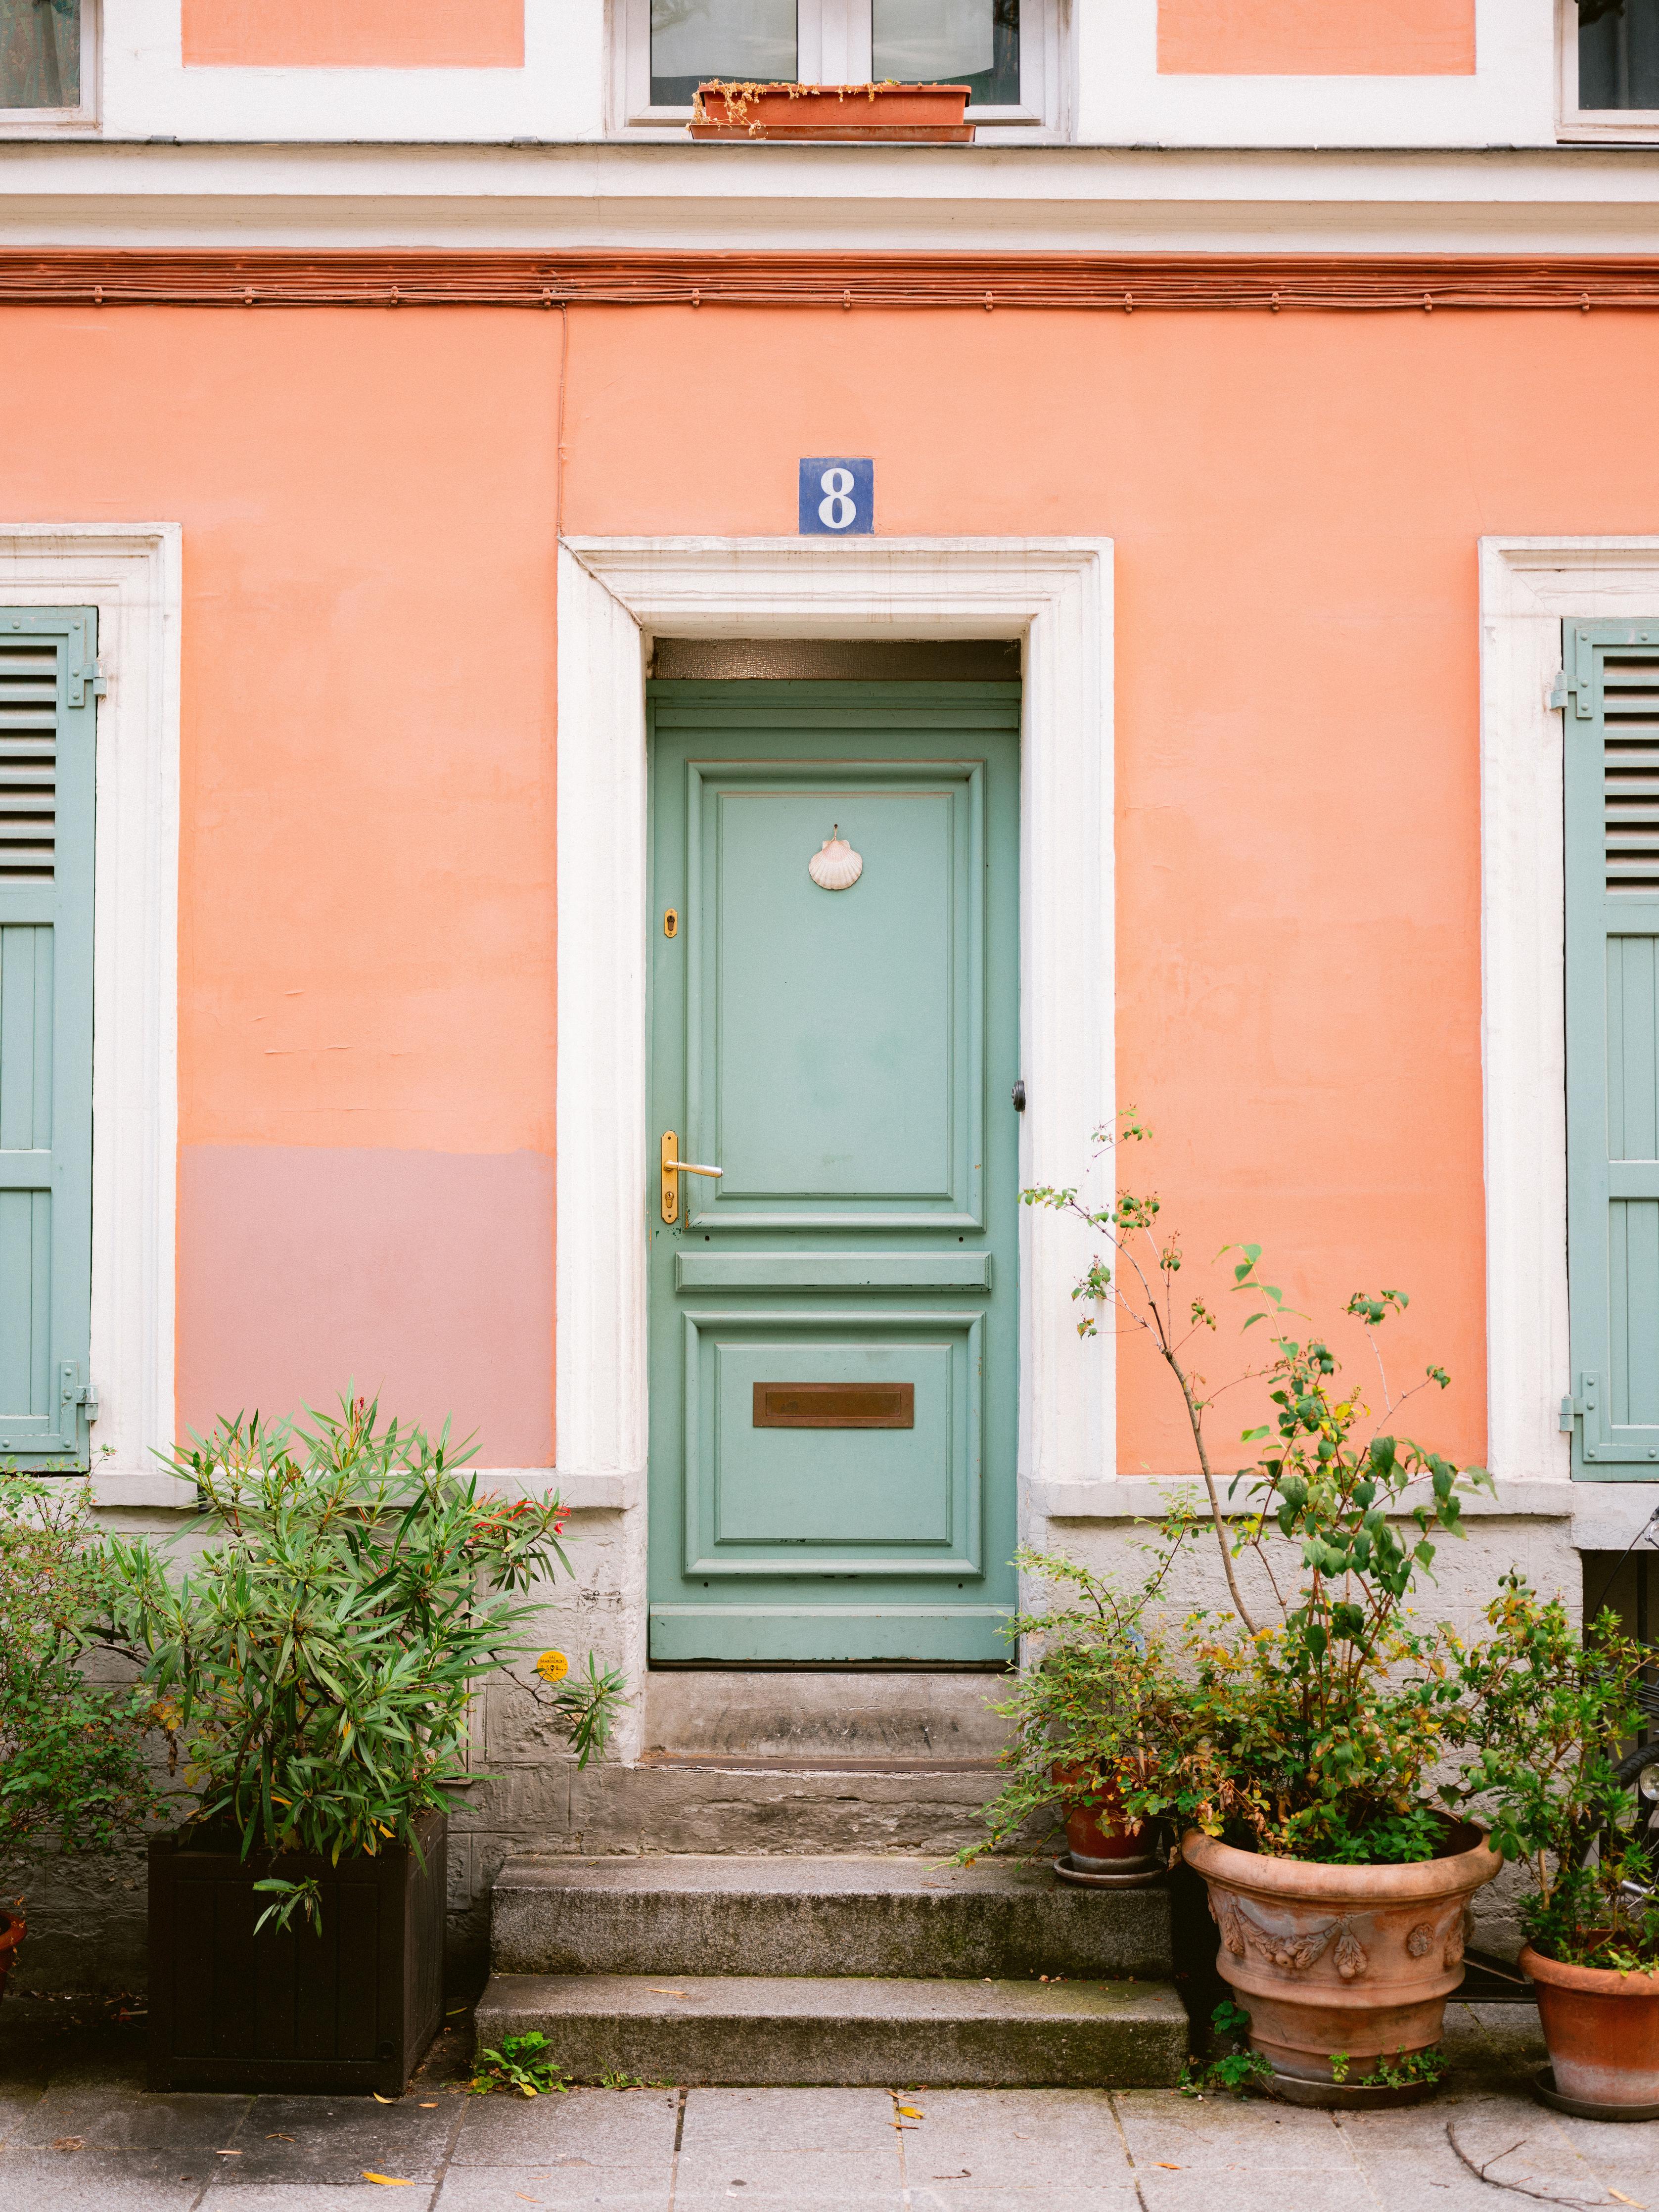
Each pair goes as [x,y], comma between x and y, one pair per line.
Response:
[354,33]
[366,958]
[366,972]
[1295,503]
[1315,37]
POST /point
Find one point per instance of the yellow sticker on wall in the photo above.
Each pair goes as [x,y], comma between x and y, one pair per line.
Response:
[552,1666]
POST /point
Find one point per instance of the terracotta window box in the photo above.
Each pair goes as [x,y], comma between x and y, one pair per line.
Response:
[917,114]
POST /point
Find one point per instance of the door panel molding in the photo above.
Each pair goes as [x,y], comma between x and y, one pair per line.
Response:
[955,1547]
[614,595]
[956,1200]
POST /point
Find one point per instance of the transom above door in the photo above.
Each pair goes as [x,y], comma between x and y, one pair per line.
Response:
[835,1157]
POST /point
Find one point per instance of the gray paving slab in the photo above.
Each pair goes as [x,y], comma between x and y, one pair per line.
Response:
[330,2141]
[612,2129]
[314,2196]
[953,2195]
[161,2135]
[510,2189]
[786,2119]
[1239,2189]
[91,2181]
[1219,2132]
[806,2175]
[1052,2139]
[17,2101]
[1630,2144]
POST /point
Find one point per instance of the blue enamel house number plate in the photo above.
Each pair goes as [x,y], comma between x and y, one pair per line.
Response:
[837,498]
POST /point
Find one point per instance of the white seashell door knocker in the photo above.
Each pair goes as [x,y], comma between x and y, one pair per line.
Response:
[835,866]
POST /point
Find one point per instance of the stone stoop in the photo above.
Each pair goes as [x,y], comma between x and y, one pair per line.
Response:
[847,1971]
[797,1760]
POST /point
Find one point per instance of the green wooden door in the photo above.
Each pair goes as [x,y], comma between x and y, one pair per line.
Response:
[1611,690]
[834,1321]
[47,760]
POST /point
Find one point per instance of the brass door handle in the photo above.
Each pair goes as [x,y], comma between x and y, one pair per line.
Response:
[672,1168]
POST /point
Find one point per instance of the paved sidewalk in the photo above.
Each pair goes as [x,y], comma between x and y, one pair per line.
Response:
[78,2134]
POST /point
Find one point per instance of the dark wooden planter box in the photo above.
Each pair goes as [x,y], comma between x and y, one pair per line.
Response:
[352,2008]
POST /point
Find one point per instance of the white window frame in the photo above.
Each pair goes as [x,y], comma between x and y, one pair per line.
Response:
[834,48]
[131,573]
[37,121]
[1591,125]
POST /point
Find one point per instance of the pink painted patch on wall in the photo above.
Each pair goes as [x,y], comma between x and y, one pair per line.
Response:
[353,34]
[1315,37]
[424,1278]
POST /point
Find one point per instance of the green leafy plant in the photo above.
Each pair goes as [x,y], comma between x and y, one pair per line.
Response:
[1404,2071]
[320,1654]
[1091,1708]
[1549,1714]
[1235,2067]
[75,1751]
[1311,1734]
[522,2064]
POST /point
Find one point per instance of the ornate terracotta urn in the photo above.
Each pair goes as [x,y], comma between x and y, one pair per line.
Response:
[1352,1959]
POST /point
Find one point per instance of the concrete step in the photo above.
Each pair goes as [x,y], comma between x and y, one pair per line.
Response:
[720,1915]
[823,1717]
[757,1803]
[851,2032]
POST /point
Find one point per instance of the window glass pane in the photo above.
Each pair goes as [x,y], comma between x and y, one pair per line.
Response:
[971,42]
[40,54]
[1618,53]
[691,41]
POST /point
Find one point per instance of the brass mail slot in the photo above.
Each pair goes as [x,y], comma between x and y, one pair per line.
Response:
[834,1405]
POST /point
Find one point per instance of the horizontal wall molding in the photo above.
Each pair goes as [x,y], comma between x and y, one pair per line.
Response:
[1119,283]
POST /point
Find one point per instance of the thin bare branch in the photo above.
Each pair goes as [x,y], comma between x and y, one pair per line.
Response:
[1518,2188]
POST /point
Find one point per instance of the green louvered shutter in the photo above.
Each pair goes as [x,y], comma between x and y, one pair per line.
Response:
[48,661]
[1610,687]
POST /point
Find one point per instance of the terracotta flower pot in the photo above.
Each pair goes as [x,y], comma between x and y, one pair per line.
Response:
[1354,1959]
[1102,1840]
[930,114]
[1601,2028]
[13,1929]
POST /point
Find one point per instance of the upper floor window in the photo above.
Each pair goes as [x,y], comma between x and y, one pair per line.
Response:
[1610,67]
[1000,49]
[41,62]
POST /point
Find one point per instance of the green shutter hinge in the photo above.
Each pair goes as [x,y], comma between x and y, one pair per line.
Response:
[1583,1407]
[74,1394]
[1578,692]
[83,678]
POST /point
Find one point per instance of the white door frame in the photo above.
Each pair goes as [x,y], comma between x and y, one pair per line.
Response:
[615,594]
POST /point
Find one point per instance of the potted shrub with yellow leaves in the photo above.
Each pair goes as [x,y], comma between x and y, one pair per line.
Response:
[1305,1730]
[320,1653]
[1552,1713]
[1092,1716]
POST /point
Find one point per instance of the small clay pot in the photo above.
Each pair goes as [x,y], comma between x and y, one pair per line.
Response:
[1601,2028]
[1101,1839]
[13,1929]
[1352,1958]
